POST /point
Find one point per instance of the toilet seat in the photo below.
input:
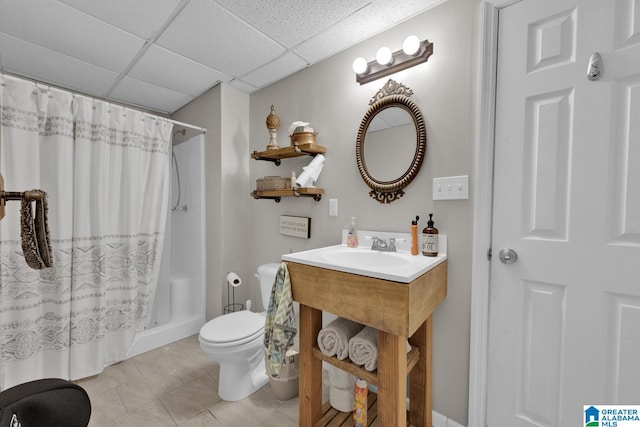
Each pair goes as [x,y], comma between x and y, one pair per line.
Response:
[233,329]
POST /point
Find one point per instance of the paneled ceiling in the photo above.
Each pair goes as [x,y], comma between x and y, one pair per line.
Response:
[161,54]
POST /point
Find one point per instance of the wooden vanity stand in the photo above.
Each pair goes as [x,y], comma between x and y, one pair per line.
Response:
[398,310]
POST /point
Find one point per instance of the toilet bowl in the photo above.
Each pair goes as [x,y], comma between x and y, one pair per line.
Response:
[235,341]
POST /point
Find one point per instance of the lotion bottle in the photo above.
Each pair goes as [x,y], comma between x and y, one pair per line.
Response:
[414,236]
[430,239]
[360,403]
[352,236]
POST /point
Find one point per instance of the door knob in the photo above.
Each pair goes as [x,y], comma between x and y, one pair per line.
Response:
[508,256]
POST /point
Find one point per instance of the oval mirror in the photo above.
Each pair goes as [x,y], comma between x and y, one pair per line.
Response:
[391,142]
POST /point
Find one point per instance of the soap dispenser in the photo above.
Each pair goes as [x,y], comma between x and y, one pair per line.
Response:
[352,235]
[430,239]
[414,236]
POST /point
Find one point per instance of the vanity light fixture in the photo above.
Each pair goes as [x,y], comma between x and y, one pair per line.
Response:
[413,52]
[360,66]
[411,45]
[384,56]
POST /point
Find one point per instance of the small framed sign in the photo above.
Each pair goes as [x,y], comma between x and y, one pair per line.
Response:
[296,226]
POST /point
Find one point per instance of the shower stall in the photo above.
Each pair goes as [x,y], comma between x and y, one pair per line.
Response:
[179,304]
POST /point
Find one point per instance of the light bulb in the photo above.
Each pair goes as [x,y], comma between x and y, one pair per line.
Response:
[360,66]
[384,56]
[411,45]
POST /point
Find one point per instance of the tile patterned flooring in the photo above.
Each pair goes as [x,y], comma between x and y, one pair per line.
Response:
[176,385]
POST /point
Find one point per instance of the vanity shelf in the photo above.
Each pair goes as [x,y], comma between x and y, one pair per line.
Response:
[276,195]
[371,377]
[296,150]
[334,418]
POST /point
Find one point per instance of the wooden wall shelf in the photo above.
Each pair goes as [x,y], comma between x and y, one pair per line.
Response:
[277,195]
[297,150]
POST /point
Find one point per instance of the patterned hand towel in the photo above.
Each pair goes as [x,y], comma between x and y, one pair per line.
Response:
[35,233]
[363,348]
[333,339]
[280,326]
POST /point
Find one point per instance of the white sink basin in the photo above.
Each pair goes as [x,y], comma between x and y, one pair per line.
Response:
[396,266]
[363,258]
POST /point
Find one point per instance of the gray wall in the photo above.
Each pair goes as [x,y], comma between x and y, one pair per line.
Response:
[327,96]
[224,112]
[243,233]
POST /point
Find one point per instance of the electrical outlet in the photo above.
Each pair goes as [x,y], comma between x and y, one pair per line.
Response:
[451,188]
[333,207]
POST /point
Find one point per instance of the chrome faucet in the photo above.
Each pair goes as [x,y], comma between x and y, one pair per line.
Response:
[379,244]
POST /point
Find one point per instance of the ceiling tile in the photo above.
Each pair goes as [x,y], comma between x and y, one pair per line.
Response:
[167,69]
[282,67]
[29,60]
[356,28]
[401,10]
[291,22]
[150,96]
[208,34]
[61,28]
[389,118]
[242,86]
[139,17]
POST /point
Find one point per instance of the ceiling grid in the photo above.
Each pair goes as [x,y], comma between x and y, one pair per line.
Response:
[161,54]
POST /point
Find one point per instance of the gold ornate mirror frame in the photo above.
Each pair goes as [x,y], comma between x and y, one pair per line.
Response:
[392,94]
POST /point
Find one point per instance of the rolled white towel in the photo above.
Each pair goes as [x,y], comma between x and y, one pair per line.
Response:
[363,348]
[333,339]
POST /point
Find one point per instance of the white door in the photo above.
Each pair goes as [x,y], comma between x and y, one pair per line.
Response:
[564,322]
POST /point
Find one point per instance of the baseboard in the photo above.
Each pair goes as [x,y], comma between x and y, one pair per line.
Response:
[440,420]
[451,423]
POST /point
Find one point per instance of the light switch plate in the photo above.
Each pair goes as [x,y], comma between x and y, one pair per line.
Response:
[451,188]
[333,207]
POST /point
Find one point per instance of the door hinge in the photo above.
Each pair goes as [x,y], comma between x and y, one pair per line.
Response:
[489,254]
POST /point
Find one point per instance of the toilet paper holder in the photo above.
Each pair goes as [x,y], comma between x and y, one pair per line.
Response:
[233,281]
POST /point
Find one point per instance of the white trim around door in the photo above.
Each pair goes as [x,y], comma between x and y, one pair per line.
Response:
[483,196]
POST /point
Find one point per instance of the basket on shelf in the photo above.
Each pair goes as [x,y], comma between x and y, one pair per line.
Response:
[303,138]
[270,183]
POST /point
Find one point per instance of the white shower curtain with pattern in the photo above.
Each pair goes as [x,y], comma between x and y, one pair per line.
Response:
[105,171]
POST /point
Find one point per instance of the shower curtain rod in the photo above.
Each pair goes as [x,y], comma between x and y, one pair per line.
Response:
[75,92]
[187,125]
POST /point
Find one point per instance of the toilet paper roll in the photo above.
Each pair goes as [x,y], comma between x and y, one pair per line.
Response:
[233,279]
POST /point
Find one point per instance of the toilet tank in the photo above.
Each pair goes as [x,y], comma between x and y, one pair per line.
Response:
[267,275]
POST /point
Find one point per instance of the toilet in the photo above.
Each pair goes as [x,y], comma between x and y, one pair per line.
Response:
[235,341]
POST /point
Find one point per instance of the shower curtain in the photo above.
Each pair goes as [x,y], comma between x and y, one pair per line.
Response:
[105,170]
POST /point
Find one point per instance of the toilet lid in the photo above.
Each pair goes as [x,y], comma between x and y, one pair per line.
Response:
[233,327]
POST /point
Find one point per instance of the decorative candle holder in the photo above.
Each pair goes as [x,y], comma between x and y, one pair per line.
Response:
[273,124]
